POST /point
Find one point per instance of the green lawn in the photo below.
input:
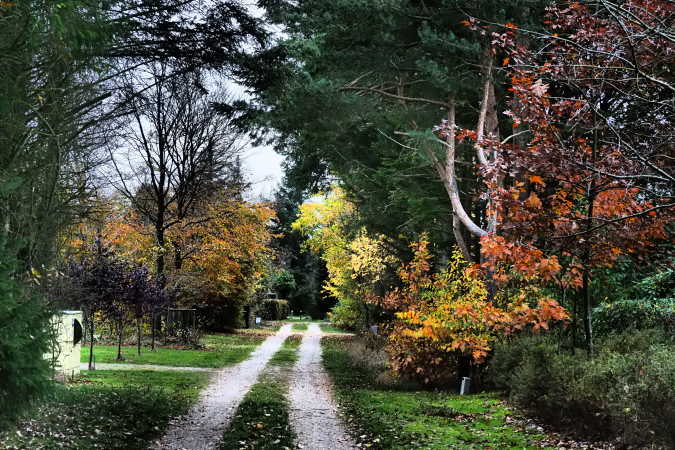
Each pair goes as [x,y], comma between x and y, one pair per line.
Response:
[186,384]
[305,319]
[221,350]
[394,418]
[106,409]
[299,327]
[330,329]
[288,353]
[261,421]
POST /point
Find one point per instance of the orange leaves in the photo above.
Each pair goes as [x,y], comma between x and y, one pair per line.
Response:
[466,134]
[537,180]
[230,248]
[520,259]
[450,312]
[548,268]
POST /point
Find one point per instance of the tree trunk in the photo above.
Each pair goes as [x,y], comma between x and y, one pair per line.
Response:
[588,250]
[138,335]
[459,238]
[153,318]
[120,329]
[450,180]
[159,260]
[588,310]
[91,339]
[177,257]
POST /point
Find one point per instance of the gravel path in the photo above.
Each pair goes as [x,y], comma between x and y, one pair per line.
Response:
[313,414]
[122,366]
[203,426]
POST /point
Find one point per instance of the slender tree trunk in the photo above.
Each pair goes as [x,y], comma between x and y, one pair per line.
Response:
[588,253]
[588,310]
[159,268]
[120,330]
[138,334]
[153,319]
[91,339]
[459,238]
[159,260]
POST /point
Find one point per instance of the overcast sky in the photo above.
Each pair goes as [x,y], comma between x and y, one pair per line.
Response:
[263,167]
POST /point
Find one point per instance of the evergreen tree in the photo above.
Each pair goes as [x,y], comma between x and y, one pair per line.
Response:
[307,269]
[364,86]
[24,340]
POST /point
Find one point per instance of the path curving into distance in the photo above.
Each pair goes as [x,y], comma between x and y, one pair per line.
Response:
[203,426]
[314,416]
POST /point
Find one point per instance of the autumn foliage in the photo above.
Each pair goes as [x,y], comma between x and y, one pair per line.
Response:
[586,174]
[218,256]
[445,315]
[589,179]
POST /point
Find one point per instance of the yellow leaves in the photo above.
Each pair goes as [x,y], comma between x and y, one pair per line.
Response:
[533,201]
[354,261]
[451,312]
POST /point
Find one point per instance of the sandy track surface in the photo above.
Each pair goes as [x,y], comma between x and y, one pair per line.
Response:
[203,426]
[313,414]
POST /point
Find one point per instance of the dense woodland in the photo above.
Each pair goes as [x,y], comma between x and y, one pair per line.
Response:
[481,189]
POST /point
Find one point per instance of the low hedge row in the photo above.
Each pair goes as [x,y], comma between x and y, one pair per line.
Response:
[637,314]
[274,309]
[627,390]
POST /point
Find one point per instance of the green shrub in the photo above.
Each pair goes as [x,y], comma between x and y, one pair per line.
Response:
[348,315]
[221,316]
[657,285]
[637,314]
[626,390]
[274,309]
[24,340]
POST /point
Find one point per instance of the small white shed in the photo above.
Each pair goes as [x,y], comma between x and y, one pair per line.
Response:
[66,352]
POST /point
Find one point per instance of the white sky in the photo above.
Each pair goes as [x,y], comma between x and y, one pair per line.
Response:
[263,169]
[262,164]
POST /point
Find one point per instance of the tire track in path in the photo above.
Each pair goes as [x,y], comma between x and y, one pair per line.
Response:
[314,416]
[203,426]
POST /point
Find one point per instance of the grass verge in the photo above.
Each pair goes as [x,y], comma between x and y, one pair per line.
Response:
[219,351]
[288,354]
[299,327]
[97,412]
[392,417]
[261,421]
[306,319]
[330,329]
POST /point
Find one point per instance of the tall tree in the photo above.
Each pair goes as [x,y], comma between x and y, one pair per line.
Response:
[47,134]
[373,80]
[594,179]
[172,152]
